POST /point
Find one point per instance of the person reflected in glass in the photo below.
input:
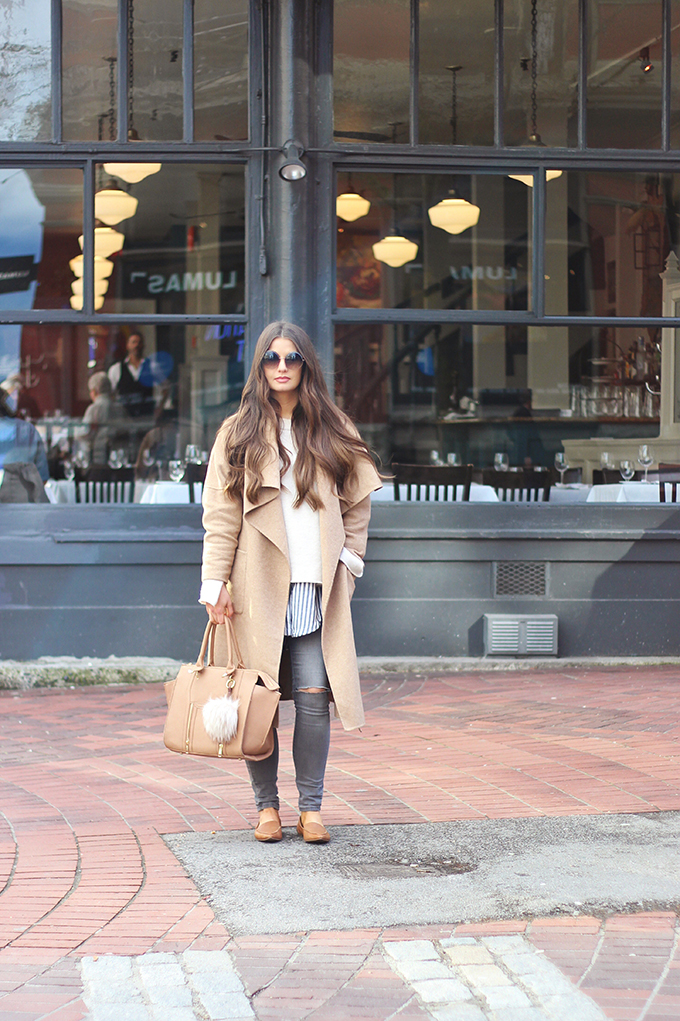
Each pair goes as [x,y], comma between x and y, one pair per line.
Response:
[286,510]
[101,418]
[21,445]
[131,379]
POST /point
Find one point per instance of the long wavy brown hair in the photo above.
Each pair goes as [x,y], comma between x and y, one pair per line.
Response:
[325,438]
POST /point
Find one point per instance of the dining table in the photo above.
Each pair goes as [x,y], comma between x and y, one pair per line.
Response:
[625,492]
[478,493]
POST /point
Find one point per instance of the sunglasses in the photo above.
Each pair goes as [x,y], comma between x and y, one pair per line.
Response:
[293,360]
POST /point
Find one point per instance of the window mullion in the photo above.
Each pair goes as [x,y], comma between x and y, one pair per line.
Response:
[582,91]
[498,83]
[89,171]
[538,244]
[188,70]
[56,70]
[666,82]
[415,72]
[123,70]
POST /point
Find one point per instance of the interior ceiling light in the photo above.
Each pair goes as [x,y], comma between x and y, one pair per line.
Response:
[102,267]
[112,205]
[454,215]
[395,250]
[350,206]
[528,179]
[106,241]
[645,63]
[100,287]
[292,168]
[132,173]
[77,302]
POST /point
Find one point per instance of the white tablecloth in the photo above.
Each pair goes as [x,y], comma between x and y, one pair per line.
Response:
[478,494]
[571,492]
[64,491]
[170,492]
[625,492]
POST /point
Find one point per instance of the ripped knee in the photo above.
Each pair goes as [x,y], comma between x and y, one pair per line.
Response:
[314,691]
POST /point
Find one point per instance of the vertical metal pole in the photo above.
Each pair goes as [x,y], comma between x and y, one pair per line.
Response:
[414,92]
[538,244]
[123,71]
[582,71]
[499,92]
[666,79]
[88,236]
[56,70]
[188,70]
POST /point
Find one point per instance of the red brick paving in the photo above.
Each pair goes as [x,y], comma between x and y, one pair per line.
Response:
[86,789]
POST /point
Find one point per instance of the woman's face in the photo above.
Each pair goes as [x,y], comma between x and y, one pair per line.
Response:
[282,377]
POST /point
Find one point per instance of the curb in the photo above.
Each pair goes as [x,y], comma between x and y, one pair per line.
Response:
[72,672]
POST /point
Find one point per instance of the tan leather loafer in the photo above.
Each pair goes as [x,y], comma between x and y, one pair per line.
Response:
[269,827]
[312,832]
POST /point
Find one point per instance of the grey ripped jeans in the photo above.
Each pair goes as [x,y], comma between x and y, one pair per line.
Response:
[311,736]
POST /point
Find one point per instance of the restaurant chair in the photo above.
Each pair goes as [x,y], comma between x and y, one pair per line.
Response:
[101,484]
[669,474]
[426,479]
[522,485]
[193,474]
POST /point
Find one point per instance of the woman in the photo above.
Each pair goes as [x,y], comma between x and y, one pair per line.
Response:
[286,509]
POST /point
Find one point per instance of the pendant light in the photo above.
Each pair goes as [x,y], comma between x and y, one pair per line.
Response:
[77,302]
[106,241]
[112,205]
[132,173]
[350,206]
[534,140]
[395,250]
[454,215]
[100,287]
[103,268]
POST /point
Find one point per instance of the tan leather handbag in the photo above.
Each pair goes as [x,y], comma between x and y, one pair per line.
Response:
[227,712]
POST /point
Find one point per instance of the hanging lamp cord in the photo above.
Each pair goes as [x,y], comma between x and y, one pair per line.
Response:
[131,68]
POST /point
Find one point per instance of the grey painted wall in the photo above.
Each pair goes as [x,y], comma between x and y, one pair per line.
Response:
[110,580]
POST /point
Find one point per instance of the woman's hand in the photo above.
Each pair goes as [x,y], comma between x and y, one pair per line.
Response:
[223,608]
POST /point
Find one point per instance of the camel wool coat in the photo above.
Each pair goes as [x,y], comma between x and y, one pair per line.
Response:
[245,545]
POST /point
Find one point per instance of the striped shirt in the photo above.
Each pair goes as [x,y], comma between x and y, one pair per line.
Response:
[303,614]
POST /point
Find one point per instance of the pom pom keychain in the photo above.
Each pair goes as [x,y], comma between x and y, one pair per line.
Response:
[220,718]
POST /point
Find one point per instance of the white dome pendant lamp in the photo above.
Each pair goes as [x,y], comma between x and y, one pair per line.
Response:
[454,215]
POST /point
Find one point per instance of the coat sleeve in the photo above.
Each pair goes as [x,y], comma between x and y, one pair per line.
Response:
[222,519]
[355,521]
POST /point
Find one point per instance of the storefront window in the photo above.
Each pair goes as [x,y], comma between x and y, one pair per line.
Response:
[220,70]
[474,391]
[625,74]
[456,72]
[371,42]
[25,91]
[90,69]
[182,243]
[483,265]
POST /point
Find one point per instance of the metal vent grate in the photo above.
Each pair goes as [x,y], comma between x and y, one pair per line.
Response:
[521,578]
[507,634]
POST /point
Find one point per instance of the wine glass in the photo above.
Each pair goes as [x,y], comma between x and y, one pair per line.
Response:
[645,458]
[435,458]
[606,463]
[116,458]
[192,454]
[501,462]
[69,470]
[627,469]
[452,459]
[176,470]
[148,459]
[82,459]
[562,465]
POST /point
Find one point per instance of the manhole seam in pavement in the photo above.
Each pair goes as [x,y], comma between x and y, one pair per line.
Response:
[403,869]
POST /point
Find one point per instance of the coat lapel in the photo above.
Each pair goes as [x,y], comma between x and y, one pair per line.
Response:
[267,515]
[332,537]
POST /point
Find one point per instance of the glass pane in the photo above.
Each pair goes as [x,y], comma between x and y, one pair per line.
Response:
[90,75]
[155,40]
[474,391]
[25,70]
[221,70]
[371,45]
[41,216]
[624,74]
[466,263]
[541,71]
[456,72]
[183,241]
[608,237]
[114,396]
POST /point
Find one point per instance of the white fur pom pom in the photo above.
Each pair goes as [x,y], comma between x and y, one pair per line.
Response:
[220,718]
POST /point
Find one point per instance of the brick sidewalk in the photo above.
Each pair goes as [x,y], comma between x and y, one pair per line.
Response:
[87,789]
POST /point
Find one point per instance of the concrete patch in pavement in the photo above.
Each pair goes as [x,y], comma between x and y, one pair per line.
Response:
[385,875]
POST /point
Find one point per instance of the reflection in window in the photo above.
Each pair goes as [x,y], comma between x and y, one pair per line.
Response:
[109,396]
[625,74]
[371,41]
[90,69]
[25,91]
[541,72]
[182,247]
[608,237]
[155,41]
[457,265]
[456,80]
[221,70]
[473,391]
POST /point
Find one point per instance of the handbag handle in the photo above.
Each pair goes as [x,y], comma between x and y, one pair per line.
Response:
[234,658]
